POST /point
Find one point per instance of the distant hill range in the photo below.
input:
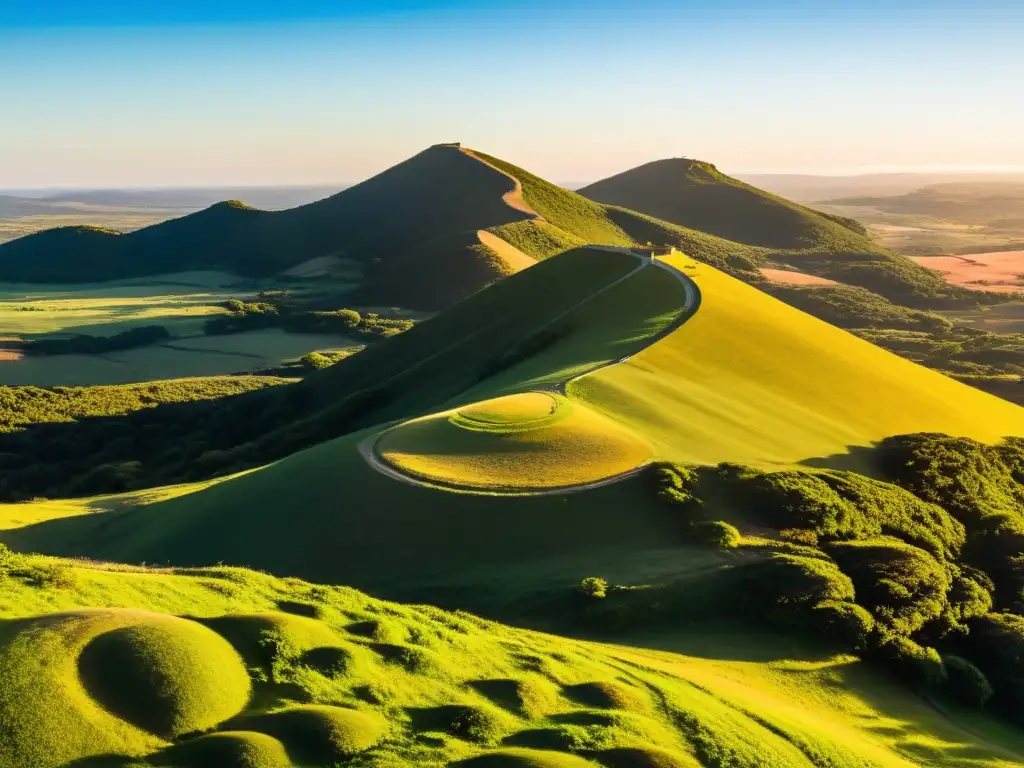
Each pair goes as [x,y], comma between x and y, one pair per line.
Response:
[448,221]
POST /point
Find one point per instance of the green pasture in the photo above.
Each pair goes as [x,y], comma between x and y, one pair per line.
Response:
[186,357]
[227,668]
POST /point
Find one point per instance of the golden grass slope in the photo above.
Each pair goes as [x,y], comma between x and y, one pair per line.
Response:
[528,441]
[749,379]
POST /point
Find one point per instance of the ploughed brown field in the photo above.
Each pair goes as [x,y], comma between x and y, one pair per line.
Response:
[996,271]
[789,277]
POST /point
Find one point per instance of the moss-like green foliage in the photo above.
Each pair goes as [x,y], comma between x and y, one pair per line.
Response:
[903,586]
[920,666]
[264,639]
[843,505]
[995,645]
[530,697]
[167,677]
[538,238]
[227,749]
[966,682]
[848,624]
[320,734]
[594,587]
[716,533]
[607,695]
[634,757]
[526,758]
[479,724]
[22,406]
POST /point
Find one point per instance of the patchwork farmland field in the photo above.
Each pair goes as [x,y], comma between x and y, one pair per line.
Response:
[180,302]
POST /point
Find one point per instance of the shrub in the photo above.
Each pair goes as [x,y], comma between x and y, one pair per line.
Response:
[799,536]
[716,533]
[920,666]
[594,587]
[967,683]
[677,483]
[314,361]
[847,623]
[903,586]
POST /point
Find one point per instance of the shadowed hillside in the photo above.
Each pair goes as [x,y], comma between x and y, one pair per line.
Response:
[756,226]
[412,228]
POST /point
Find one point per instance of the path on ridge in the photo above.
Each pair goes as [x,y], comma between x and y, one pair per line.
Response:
[368,446]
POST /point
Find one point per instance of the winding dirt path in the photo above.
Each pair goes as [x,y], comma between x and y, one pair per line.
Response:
[513,199]
[368,446]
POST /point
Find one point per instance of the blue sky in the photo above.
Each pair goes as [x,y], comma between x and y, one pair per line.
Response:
[144,93]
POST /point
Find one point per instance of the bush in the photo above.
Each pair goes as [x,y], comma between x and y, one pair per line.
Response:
[677,483]
[716,533]
[920,666]
[781,588]
[967,683]
[594,587]
[904,587]
[848,624]
[315,360]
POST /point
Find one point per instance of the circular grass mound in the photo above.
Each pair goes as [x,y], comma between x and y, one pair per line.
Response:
[527,442]
[321,735]
[526,758]
[463,721]
[632,757]
[166,675]
[606,695]
[512,413]
[229,749]
[256,636]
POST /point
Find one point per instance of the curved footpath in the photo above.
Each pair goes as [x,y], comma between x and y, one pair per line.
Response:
[368,446]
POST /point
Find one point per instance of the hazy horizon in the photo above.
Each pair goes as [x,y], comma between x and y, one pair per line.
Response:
[238,93]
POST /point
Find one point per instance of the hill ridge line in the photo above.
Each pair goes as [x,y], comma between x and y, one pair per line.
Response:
[692,299]
[514,198]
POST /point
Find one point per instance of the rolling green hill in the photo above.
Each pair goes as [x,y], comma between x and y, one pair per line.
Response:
[395,223]
[423,232]
[697,195]
[581,448]
[746,379]
[763,228]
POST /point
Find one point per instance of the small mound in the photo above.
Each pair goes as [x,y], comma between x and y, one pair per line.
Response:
[381,630]
[555,739]
[415,660]
[605,695]
[532,697]
[462,721]
[524,442]
[168,676]
[229,749]
[329,661]
[321,734]
[259,636]
[630,757]
[525,758]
